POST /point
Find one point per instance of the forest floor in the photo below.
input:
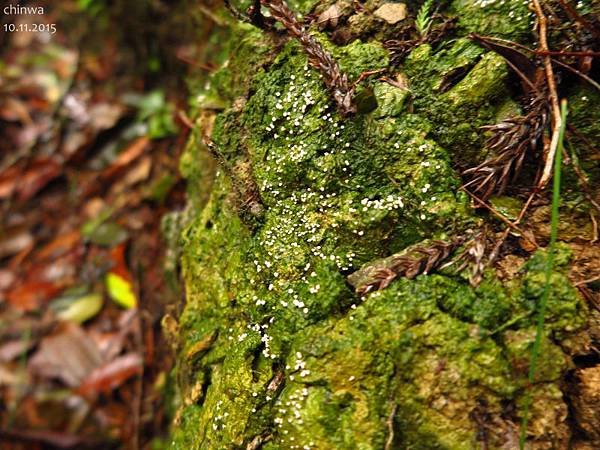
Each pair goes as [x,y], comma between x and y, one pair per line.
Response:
[88,165]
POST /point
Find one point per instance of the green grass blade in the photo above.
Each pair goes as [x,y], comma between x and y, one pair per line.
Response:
[535,351]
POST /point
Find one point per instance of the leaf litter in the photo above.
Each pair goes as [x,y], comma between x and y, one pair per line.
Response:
[81,165]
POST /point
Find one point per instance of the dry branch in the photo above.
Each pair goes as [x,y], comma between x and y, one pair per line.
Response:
[553,94]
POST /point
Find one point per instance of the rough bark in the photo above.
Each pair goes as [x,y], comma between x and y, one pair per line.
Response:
[276,350]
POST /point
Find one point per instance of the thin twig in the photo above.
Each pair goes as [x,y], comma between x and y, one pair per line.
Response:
[495,212]
[500,242]
[363,76]
[578,18]
[390,426]
[586,141]
[543,52]
[539,52]
[508,42]
[563,53]
[588,281]
[235,13]
[578,73]
[525,207]
[553,94]
[211,16]
[494,254]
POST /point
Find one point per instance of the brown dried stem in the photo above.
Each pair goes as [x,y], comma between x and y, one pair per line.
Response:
[253,15]
[496,213]
[502,239]
[578,18]
[389,442]
[553,94]
[583,76]
[335,80]
[235,13]
[547,53]
[565,53]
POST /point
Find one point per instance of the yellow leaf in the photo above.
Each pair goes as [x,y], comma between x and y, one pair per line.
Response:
[120,290]
[78,309]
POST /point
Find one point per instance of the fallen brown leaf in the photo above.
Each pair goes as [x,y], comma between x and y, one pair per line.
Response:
[329,17]
[139,172]
[59,245]
[37,175]
[30,296]
[14,110]
[130,154]
[69,355]
[112,374]
[8,181]
[7,278]
[15,241]
[52,439]
[13,349]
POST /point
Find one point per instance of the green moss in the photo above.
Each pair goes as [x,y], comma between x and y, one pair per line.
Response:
[458,107]
[391,100]
[346,375]
[482,84]
[518,349]
[248,50]
[509,207]
[274,343]
[586,118]
[488,306]
[302,6]
[565,311]
[506,19]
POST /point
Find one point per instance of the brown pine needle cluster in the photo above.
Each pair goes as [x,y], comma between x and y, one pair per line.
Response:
[509,144]
[417,260]
[335,80]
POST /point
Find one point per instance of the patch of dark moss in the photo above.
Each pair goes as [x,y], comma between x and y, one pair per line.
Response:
[460,111]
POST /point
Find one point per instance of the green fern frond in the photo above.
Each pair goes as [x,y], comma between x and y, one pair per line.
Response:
[424,20]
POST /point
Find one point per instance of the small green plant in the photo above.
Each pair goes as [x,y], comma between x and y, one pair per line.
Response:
[155,111]
[424,18]
[91,7]
[535,351]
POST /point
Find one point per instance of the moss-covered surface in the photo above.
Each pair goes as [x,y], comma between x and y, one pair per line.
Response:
[275,349]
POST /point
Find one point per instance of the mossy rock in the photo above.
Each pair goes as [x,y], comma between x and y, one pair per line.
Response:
[276,350]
